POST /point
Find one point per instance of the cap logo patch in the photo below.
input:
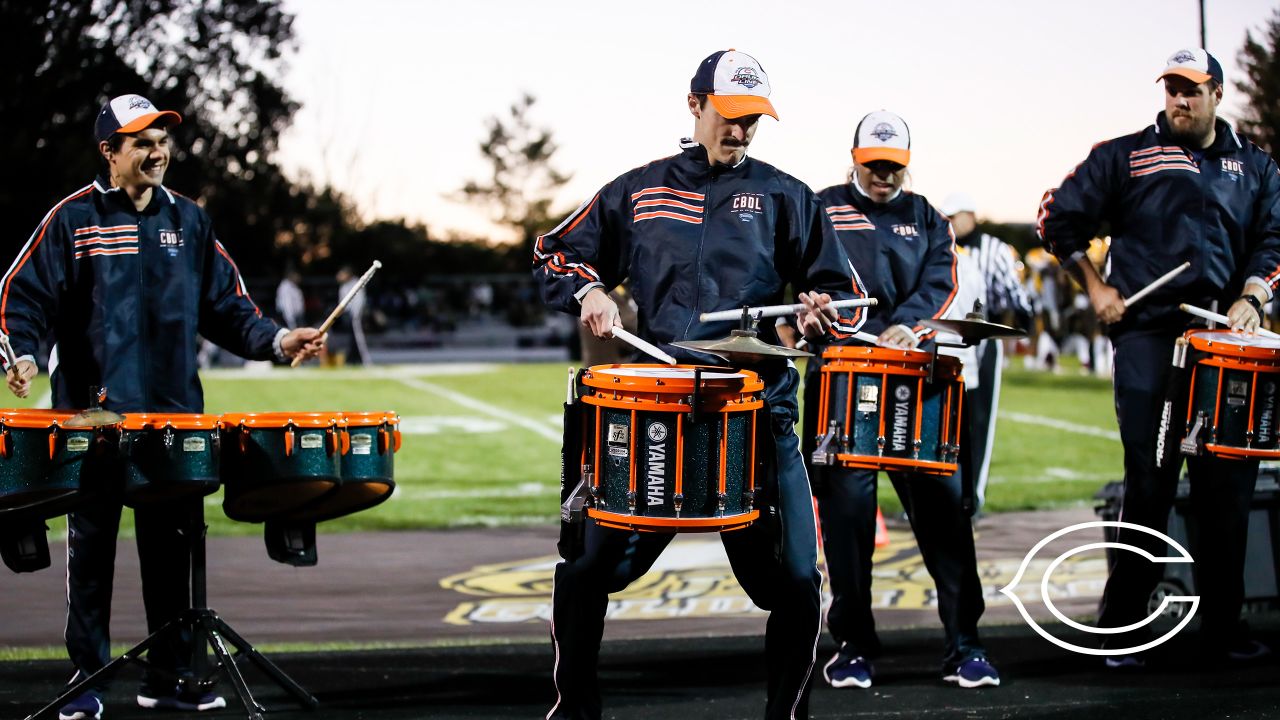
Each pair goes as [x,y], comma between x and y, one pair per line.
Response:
[1183,56]
[883,131]
[138,102]
[746,77]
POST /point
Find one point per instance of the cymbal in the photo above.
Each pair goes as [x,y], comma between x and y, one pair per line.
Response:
[93,417]
[741,346]
[972,331]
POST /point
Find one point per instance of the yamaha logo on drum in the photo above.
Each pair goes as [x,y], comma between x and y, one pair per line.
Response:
[1266,419]
[657,432]
[901,418]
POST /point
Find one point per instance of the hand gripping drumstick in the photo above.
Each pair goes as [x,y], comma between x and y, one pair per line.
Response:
[337,312]
[642,346]
[779,310]
[1157,283]
[1207,315]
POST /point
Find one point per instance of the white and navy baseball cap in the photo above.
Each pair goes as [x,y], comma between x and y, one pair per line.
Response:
[1194,64]
[882,135]
[735,83]
[131,114]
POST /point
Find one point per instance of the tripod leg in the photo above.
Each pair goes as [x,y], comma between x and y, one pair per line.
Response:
[210,630]
[304,698]
[107,672]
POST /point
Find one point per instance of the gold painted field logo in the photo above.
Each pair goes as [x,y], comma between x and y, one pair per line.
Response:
[692,579]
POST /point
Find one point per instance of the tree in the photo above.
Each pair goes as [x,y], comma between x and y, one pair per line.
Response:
[1261,64]
[217,63]
[523,183]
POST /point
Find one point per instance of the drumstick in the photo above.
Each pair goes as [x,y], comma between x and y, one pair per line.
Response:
[1156,283]
[9,355]
[642,346]
[333,316]
[1207,315]
[779,310]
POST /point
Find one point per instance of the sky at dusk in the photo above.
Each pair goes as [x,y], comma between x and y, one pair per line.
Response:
[1003,98]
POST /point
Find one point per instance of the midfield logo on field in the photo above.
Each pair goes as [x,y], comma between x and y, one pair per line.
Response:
[692,579]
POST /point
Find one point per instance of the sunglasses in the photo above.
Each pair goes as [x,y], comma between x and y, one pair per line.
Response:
[884,167]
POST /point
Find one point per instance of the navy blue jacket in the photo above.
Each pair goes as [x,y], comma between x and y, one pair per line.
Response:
[694,238]
[122,294]
[904,250]
[1165,206]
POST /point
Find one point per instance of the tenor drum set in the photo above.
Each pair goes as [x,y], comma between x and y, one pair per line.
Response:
[681,448]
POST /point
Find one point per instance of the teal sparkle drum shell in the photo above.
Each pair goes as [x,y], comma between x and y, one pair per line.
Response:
[273,464]
[169,456]
[370,441]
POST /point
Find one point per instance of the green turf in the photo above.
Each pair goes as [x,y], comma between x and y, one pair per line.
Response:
[508,473]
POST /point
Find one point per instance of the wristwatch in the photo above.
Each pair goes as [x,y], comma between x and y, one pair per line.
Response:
[1255,302]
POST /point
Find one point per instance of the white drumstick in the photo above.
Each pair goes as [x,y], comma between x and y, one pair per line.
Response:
[1208,315]
[779,310]
[1155,284]
[351,294]
[9,355]
[642,346]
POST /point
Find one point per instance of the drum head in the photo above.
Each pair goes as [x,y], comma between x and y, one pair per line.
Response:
[1234,343]
[665,372]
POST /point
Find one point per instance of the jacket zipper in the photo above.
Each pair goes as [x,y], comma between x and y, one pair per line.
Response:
[142,319]
[697,268]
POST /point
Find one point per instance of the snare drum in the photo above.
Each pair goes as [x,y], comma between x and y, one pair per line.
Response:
[41,462]
[276,463]
[168,456]
[370,441]
[670,457]
[895,410]
[1235,387]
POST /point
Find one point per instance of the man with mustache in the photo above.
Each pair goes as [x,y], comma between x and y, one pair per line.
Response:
[121,275]
[704,230]
[1187,188]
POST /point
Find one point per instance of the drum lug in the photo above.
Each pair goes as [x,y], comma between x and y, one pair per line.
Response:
[915,450]
[1192,444]
[168,438]
[823,454]
[748,499]
[288,440]
[677,501]
[4,442]
[631,503]
[880,445]
[720,501]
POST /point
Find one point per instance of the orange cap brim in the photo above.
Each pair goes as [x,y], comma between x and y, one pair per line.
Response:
[735,106]
[1192,75]
[864,155]
[168,117]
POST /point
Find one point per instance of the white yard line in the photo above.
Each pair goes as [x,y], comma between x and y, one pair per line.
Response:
[1063,425]
[467,401]
[44,401]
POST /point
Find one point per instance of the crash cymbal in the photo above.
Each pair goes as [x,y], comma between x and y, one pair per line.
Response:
[93,417]
[742,346]
[972,331]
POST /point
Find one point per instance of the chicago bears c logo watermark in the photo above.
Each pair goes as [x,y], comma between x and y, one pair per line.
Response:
[1182,557]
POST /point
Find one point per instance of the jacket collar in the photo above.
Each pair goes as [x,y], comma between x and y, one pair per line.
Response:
[1225,139]
[159,198]
[693,153]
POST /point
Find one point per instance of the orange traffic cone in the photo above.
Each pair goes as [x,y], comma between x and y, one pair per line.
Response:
[882,532]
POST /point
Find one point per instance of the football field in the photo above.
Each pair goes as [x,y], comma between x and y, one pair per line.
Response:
[481,441]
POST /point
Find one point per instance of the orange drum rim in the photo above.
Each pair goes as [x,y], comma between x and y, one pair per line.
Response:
[177,421]
[281,419]
[875,352]
[371,418]
[35,417]
[600,377]
[1214,343]
[649,523]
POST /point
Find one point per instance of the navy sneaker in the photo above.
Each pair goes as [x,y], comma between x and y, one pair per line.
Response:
[86,707]
[1125,662]
[177,699]
[847,671]
[974,672]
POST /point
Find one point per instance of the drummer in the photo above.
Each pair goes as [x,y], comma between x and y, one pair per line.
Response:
[905,251]
[1187,188]
[707,229]
[122,274]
